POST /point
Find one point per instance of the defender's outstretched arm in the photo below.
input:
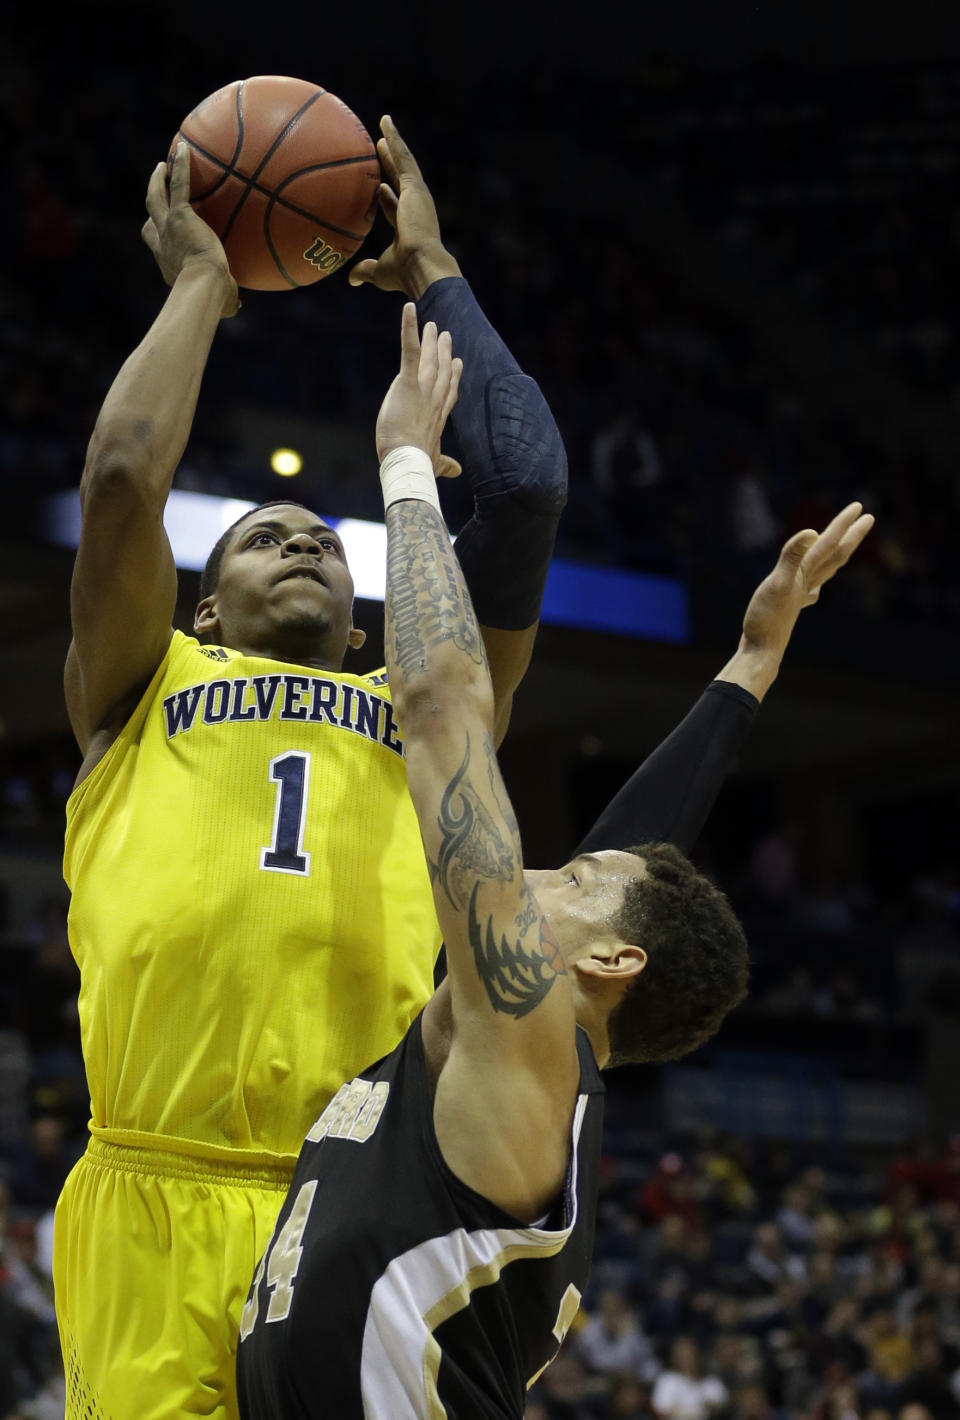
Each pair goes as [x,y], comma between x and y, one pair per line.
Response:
[506,1091]
[670,796]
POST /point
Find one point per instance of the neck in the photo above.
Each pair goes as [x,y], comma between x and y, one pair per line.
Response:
[294,649]
[592,1014]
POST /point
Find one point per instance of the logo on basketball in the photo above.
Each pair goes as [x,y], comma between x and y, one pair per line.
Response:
[322,256]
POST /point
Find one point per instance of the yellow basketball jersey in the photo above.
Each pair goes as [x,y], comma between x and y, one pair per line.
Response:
[252,912]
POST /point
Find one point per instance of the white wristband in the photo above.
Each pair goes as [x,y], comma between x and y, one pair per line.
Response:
[407,472]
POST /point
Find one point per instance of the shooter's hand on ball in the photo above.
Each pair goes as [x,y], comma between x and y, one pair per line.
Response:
[418,403]
[416,257]
[807,561]
[176,235]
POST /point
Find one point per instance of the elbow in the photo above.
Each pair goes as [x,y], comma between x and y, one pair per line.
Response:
[427,705]
[116,468]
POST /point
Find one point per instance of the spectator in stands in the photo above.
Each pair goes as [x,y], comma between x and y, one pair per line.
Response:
[42,1165]
[769,1260]
[565,1388]
[670,1190]
[795,1218]
[683,1392]
[752,1402]
[611,1341]
[933,1383]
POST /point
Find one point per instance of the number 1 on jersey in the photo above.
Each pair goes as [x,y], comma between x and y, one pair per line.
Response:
[291,773]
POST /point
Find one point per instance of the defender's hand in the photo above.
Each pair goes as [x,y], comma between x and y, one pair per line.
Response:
[176,235]
[419,401]
[807,561]
[416,257]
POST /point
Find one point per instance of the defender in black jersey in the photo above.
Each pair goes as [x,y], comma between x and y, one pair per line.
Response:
[435,1241]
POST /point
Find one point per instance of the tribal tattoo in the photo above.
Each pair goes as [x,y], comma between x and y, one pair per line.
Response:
[516,978]
[471,842]
[428,602]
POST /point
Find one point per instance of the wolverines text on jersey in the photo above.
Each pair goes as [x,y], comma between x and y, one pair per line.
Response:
[251,910]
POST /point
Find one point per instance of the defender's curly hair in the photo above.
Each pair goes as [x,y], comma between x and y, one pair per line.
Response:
[697,965]
[210,575]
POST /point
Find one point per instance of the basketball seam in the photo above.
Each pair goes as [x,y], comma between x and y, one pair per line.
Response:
[273,250]
[266,158]
[230,167]
[230,171]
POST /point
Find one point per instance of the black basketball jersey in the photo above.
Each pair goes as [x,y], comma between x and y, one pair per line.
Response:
[392,1291]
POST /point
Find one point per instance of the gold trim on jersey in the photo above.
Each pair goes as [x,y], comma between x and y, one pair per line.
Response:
[459,1297]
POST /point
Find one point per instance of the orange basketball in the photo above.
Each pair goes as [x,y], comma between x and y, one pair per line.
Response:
[285,174]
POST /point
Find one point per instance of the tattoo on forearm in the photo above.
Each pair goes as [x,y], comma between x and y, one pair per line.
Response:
[496,785]
[427,601]
[516,978]
[471,842]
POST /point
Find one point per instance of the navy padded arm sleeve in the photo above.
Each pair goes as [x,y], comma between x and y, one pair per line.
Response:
[514,458]
[670,796]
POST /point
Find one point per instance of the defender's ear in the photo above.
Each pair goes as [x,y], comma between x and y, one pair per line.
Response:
[612,962]
[356,638]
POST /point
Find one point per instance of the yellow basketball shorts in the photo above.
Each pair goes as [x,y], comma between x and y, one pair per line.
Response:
[153,1258]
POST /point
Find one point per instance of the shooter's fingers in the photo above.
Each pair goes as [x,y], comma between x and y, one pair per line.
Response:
[150,235]
[387,164]
[180,176]
[157,201]
[407,168]
[389,204]
[363,271]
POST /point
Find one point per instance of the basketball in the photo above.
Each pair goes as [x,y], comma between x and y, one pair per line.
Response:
[285,174]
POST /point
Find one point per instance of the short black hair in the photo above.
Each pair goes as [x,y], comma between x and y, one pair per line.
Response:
[210,575]
[697,964]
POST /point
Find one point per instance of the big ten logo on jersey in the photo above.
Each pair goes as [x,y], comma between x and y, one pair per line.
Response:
[353,1113]
[323,256]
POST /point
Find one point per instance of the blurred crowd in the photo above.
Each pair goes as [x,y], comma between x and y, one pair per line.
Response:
[729,1282]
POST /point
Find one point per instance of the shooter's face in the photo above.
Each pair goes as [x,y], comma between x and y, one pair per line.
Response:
[284,589]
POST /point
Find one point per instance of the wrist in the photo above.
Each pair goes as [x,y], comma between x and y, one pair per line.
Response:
[754,667]
[206,268]
[406,472]
[427,263]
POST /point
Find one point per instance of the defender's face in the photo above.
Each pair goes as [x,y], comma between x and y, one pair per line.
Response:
[284,576]
[581,899]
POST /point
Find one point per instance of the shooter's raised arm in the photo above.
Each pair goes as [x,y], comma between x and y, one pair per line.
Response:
[512,452]
[123,592]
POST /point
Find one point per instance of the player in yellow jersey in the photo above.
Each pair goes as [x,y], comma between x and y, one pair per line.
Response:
[251,912]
